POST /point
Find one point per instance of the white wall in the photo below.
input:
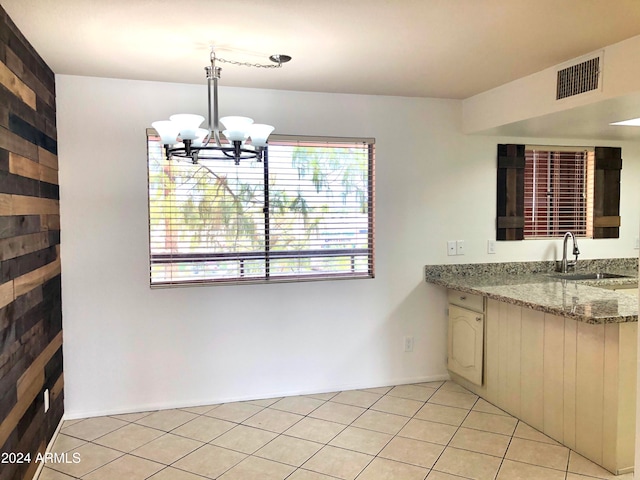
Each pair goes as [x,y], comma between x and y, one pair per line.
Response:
[129,348]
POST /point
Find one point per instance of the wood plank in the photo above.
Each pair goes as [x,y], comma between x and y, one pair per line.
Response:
[610,398]
[513,374]
[503,359]
[48,159]
[604,222]
[30,132]
[554,354]
[627,381]
[590,391]
[36,369]
[16,144]
[511,162]
[510,222]
[23,244]
[532,368]
[22,166]
[29,281]
[17,86]
[11,226]
[7,294]
[16,267]
[5,204]
[24,205]
[47,174]
[9,424]
[50,222]
[57,388]
[492,356]
[569,392]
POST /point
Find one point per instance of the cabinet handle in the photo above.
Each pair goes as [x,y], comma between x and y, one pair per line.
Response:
[478,319]
[463,298]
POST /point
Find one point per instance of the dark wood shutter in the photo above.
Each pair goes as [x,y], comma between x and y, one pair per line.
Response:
[510,202]
[606,199]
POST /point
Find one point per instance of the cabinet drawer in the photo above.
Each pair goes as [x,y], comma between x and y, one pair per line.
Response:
[469,301]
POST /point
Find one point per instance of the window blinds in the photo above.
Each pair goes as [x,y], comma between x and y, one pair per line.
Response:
[558,192]
[304,213]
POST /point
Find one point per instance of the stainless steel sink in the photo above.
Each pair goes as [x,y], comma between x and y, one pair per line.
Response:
[588,276]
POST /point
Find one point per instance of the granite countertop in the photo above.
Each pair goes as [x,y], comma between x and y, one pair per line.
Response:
[536,285]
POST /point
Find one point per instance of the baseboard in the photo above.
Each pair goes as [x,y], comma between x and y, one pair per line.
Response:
[36,475]
[289,393]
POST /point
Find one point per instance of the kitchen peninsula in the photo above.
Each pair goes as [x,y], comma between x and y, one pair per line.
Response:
[556,350]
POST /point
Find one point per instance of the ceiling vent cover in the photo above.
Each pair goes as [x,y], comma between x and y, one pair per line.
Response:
[579,78]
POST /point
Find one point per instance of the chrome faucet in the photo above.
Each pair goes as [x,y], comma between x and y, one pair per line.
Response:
[566,263]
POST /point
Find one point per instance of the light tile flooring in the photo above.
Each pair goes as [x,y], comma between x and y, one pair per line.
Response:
[433,431]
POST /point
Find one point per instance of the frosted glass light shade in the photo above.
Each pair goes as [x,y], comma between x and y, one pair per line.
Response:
[187,124]
[235,135]
[259,133]
[237,128]
[167,130]
[201,133]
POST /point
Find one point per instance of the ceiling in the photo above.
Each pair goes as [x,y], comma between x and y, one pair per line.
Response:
[422,48]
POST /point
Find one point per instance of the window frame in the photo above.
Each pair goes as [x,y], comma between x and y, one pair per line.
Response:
[267,254]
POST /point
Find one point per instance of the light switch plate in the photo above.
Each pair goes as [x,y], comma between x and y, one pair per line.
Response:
[459,247]
[451,247]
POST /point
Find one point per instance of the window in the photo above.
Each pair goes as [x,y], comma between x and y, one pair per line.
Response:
[558,192]
[567,188]
[304,213]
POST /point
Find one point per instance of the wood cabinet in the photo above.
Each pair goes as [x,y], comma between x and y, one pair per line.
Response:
[465,350]
[574,381]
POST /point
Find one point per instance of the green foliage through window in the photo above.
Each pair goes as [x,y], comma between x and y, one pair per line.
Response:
[306,212]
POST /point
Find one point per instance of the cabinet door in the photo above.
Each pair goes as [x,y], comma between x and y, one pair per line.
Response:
[466,342]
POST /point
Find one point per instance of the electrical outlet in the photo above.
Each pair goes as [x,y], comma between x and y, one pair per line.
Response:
[459,247]
[491,246]
[46,400]
[408,344]
[451,247]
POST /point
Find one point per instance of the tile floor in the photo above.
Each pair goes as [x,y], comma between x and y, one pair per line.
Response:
[433,431]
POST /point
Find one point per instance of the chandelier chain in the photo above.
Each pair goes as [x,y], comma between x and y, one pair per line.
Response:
[248,64]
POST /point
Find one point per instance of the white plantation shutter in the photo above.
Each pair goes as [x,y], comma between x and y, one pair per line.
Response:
[304,213]
[558,193]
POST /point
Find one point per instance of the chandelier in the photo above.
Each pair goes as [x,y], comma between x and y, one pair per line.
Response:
[183,137]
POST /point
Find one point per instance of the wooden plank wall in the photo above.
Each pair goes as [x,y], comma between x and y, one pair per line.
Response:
[30,299]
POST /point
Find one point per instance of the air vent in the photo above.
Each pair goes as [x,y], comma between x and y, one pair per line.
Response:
[579,78]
